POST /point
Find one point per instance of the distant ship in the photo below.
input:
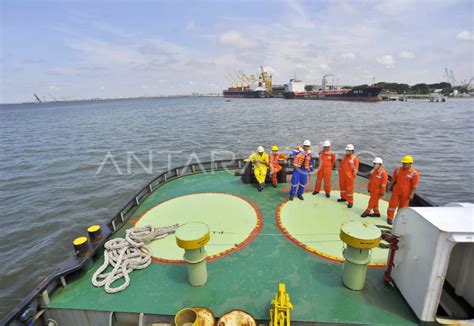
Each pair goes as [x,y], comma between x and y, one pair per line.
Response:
[243,86]
[296,90]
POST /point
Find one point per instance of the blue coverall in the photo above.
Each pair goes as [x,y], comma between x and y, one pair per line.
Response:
[300,175]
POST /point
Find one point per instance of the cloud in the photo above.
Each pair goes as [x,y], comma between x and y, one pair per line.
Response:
[235,39]
[406,55]
[111,29]
[104,53]
[348,56]
[299,18]
[465,35]
[269,69]
[394,7]
[386,60]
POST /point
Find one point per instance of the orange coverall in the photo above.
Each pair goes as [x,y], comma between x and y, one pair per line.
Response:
[275,166]
[405,182]
[327,161]
[347,172]
[376,187]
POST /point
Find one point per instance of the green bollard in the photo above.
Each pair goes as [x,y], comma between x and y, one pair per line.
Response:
[360,238]
[192,237]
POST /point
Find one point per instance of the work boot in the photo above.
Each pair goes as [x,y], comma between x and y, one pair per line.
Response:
[292,196]
[274,185]
[349,205]
[365,214]
[375,215]
[260,187]
[389,221]
[328,195]
[300,197]
[340,200]
[315,192]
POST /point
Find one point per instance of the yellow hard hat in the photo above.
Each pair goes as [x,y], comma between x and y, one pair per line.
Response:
[407,159]
[274,148]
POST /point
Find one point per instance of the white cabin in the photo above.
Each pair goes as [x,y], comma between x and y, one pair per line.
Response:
[296,86]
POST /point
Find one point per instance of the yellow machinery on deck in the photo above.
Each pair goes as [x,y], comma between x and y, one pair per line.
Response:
[281,306]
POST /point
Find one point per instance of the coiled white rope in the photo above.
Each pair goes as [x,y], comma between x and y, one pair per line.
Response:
[126,255]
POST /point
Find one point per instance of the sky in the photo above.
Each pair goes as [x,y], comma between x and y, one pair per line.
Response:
[66,49]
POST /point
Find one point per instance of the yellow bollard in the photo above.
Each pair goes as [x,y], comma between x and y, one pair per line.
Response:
[192,237]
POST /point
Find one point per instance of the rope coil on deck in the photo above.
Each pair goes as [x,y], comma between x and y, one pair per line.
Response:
[126,255]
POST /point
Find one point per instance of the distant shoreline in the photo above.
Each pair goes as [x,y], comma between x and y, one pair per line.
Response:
[408,96]
[112,99]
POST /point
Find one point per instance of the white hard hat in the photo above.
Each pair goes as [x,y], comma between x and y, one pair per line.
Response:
[326,143]
[377,160]
[349,147]
[306,143]
[260,149]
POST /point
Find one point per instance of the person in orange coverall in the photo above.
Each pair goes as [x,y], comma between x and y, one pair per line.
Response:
[404,183]
[348,168]
[275,166]
[376,187]
[327,162]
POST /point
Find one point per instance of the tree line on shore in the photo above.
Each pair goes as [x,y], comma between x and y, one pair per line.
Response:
[421,88]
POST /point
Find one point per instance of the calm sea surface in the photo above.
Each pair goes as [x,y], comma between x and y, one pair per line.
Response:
[50,156]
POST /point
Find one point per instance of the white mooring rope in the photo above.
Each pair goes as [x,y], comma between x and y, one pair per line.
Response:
[126,255]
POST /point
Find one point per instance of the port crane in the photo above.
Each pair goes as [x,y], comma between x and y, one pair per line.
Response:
[265,79]
[37,98]
[324,82]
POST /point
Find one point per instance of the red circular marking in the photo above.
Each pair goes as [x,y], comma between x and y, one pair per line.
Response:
[256,230]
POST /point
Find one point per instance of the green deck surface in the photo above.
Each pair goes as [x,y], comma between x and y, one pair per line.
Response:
[247,279]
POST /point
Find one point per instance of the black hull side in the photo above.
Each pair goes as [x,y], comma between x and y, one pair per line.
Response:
[246,94]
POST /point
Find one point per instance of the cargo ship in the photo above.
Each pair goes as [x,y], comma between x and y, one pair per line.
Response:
[260,259]
[244,86]
[296,90]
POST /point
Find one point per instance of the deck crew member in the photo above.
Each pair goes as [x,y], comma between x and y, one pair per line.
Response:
[404,183]
[303,164]
[260,162]
[275,166]
[327,162]
[348,168]
[376,187]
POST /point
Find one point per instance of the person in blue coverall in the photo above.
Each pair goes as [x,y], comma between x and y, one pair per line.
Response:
[303,163]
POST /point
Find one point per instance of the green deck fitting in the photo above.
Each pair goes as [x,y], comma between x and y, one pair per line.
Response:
[248,279]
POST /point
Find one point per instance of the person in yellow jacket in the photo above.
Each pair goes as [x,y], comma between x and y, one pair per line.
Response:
[260,162]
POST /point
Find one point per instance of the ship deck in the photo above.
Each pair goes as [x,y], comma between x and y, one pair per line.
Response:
[270,241]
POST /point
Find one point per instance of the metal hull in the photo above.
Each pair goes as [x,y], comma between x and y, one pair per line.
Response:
[370,94]
[246,94]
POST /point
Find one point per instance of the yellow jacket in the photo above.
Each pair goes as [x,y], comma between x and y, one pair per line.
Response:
[259,161]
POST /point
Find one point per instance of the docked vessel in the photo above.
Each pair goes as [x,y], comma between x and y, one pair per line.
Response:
[253,243]
[296,90]
[243,86]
